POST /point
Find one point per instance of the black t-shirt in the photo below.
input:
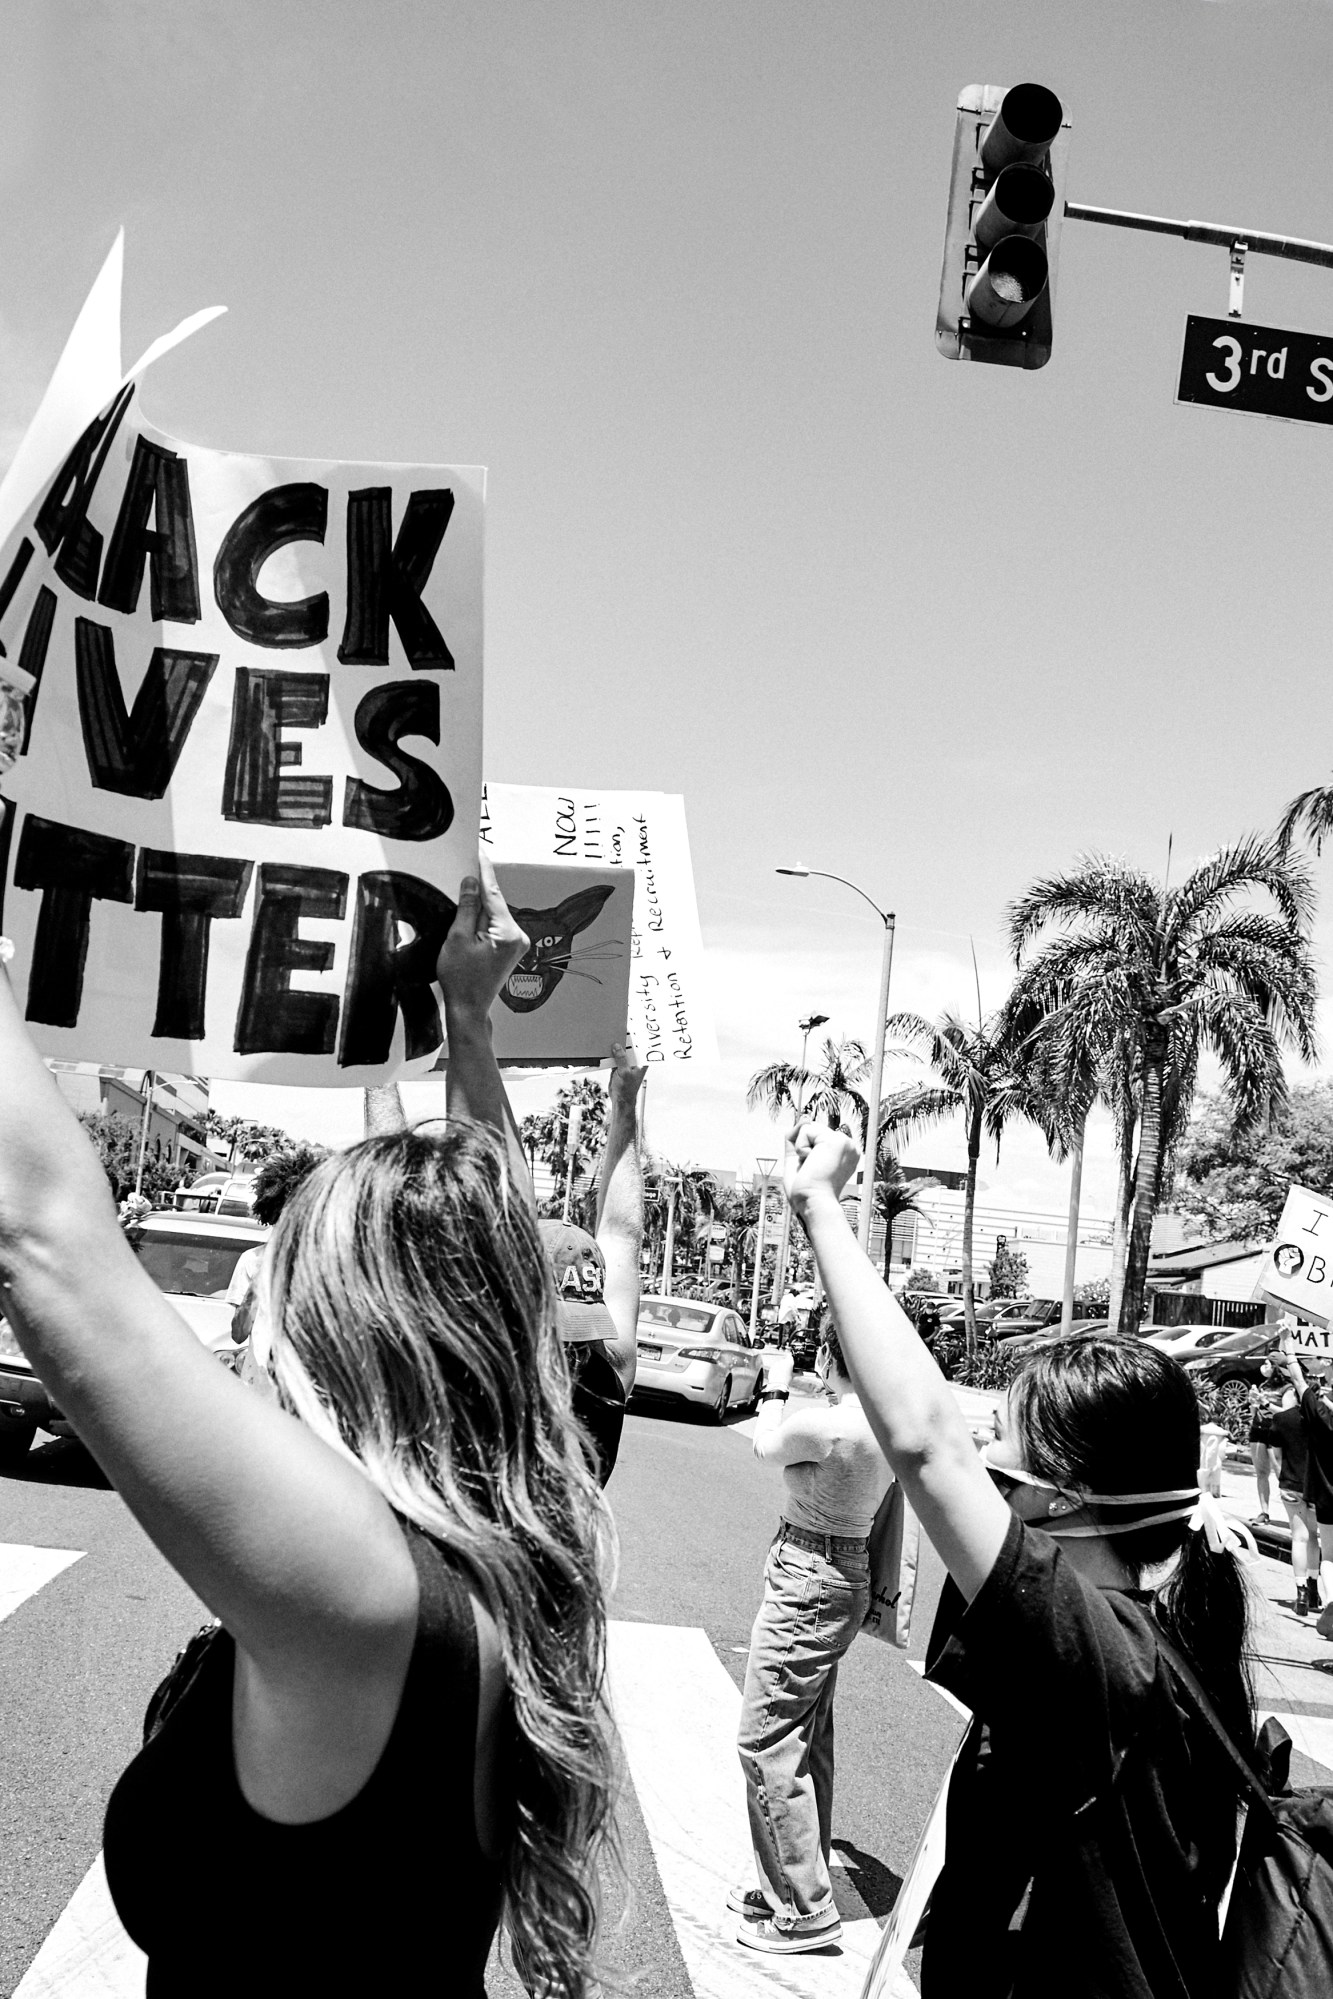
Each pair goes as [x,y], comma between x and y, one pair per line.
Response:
[599,1400]
[1125,1865]
[1285,1430]
[1319,1461]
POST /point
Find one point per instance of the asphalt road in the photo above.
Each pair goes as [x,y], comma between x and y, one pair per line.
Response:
[80,1657]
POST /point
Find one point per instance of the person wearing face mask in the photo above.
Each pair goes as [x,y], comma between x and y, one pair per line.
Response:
[1090,1818]
[816,1593]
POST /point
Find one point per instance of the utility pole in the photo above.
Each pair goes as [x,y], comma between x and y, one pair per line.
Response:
[571,1151]
[143,1129]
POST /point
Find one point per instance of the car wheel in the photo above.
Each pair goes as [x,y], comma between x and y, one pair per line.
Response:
[14,1441]
[719,1408]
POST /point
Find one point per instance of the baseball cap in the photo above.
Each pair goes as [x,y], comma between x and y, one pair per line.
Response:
[579,1270]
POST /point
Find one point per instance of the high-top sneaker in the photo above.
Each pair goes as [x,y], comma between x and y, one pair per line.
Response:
[1302,1601]
[1312,1596]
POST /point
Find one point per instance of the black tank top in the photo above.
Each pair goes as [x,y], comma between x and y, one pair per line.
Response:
[391,1894]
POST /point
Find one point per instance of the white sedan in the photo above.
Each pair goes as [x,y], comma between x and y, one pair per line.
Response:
[1191,1342]
[695,1353]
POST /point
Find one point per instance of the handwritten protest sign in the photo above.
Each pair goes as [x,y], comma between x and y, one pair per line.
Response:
[253,765]
[670,1015]
[1299,1269]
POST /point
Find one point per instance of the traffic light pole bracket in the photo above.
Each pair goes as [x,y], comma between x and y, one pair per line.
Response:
[1298,249]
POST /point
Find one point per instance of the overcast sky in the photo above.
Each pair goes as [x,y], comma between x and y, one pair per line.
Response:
[670,272]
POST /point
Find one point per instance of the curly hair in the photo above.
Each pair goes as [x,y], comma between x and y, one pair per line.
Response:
[280,1176]
[413,1316]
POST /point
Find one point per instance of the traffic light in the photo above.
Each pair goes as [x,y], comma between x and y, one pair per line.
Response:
[1006,201]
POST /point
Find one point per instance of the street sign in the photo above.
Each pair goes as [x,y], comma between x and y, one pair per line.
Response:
[1299,1270]
[1263,370]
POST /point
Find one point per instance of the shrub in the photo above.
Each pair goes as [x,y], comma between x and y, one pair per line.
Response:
[993,1365]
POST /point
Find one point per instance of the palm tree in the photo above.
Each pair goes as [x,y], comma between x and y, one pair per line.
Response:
[1175,971]
[973,1076]
[895,1195]
[828,1091]
[1311,814]
[689,1193]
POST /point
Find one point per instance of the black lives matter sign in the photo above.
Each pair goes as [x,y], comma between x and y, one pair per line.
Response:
[252,771]
[1264,370]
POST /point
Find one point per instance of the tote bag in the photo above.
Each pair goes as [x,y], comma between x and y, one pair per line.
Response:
[895,1548]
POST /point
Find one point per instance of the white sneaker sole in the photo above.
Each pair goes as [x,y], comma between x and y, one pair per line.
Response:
[777,1945]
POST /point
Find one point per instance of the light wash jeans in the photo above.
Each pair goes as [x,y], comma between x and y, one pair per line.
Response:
[812,1609]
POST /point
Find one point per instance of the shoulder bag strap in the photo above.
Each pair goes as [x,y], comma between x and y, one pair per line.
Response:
[1208,1714]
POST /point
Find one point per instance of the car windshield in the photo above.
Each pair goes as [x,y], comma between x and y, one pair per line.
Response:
[189,1265]
[675,1318]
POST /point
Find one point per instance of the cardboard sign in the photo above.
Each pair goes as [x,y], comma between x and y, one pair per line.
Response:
[670,1015]
[1299,1270]
[253,765]
[565,1001]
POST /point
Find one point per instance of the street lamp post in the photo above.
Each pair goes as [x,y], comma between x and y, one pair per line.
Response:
[784,1240]
[669,1243]
[887,918]
[571,1152]
[765,1167]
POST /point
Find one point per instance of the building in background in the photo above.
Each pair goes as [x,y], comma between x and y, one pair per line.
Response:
[933,1240]
[177,1116]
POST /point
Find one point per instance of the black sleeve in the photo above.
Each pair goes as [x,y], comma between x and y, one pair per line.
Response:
[1316,1411]
[1052,1664]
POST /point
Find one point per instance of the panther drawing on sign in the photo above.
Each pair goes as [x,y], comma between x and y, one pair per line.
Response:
[551,951]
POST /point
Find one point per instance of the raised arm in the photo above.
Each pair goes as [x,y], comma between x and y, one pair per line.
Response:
[620,1210]
[483,946]
[910,1406]
[285,1540]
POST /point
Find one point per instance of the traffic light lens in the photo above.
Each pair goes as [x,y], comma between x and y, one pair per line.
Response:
[1012,278]
[1020,199]
[1023,128]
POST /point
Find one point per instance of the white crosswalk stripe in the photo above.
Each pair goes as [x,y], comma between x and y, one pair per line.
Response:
[25,1570]
[677,1710]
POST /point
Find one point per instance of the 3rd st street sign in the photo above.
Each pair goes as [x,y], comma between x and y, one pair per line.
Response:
[1264,370]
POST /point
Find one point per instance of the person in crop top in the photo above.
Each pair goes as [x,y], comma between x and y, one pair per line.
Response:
[396,1718]
[816,1593]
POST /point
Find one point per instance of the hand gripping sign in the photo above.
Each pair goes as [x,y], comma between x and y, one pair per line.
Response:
[252,770]
[1299,1270]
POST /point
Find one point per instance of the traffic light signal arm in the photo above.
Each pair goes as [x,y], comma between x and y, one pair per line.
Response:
[1239,241]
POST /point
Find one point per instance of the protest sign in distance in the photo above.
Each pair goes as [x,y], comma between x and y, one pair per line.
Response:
[670,1013]
[252,773]
[1299,1268]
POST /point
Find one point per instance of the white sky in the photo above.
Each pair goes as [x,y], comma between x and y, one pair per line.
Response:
[671,274]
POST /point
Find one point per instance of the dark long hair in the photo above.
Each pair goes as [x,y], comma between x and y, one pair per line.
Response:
[413,1318]
[1113,1414]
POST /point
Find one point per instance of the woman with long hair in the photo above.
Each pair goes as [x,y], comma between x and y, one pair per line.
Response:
[396,1726]
[1090,1827]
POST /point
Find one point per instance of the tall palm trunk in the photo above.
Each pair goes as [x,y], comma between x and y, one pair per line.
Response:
[1124,1199]
[1146,1183]
[1071,1245]
[969,1208]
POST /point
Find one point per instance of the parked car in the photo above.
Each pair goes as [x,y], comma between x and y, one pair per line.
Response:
[698,1354]
[1043,1336]
[1185,1343]
[190,1257]
[217,1194]
[1026,1315]
[1240,1358]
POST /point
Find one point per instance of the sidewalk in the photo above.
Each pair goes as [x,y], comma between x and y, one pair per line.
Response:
[1293,1667]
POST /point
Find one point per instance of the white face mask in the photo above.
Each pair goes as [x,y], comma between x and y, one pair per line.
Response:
[1075,1498]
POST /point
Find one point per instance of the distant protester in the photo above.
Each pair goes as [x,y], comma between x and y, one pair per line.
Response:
[1091,1817]
[816,1594]
[275,1183]
[397,1718]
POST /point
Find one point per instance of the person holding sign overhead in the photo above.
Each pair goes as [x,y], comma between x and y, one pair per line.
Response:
[1316,1407]
[397,1716]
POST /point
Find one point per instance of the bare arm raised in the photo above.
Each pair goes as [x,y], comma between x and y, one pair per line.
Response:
[483,946]
[906,1399]
[620,1210]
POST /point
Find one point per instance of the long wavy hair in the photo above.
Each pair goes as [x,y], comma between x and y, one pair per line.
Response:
[1114,1414]
[413,1325]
